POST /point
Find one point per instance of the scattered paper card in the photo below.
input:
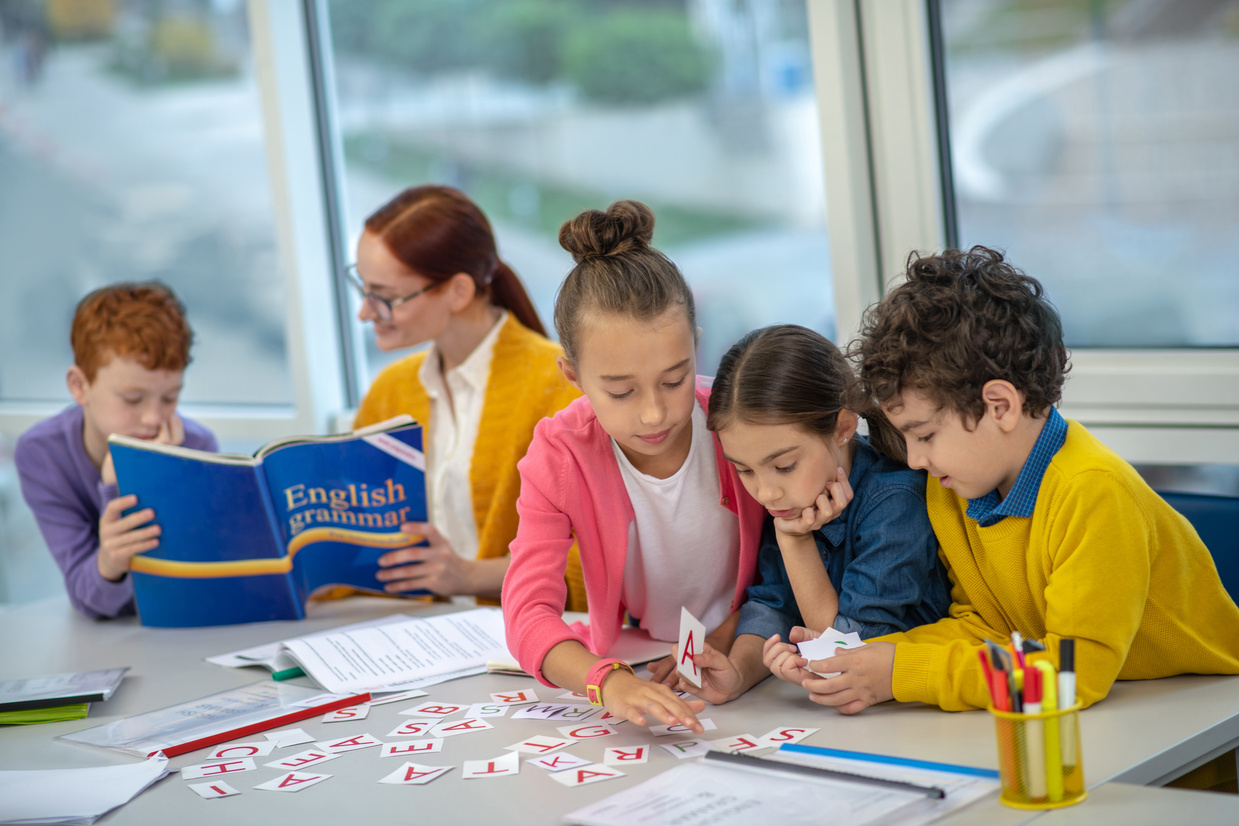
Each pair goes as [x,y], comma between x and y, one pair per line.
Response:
[345,744]
[786,734]
[540,744]
[586,731]
[341,715]
[679,728]
[448,728]
[384,699]
[412,774]
[515,698]
[292,782]
[300,760]
[558,762]
[433,709]
[413,728]
[827,645]
[235,750]
[742,743]
[216,769]
[415,747]
[626,755]
[487,710]
[210,790]
[692,639]
[686,748]
[588,774]
[289,737]
[509,763]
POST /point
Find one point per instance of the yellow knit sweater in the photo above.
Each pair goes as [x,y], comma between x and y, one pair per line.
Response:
[1103,559]
[524,387]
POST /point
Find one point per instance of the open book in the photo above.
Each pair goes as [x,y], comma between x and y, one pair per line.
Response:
[250,538]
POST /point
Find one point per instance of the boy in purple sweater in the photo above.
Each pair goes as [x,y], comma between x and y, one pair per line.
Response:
[130,350]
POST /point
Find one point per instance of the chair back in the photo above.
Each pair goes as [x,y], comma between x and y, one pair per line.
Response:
[1216,519]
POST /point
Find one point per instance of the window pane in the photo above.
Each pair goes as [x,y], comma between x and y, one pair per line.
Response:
[131,148]
[1098,143]
[541,108]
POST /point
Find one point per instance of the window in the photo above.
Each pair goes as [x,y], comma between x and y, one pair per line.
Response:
[537,109]
[1098,143]
[1027,126]
[132,148]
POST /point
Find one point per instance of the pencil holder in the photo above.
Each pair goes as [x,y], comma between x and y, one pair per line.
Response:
[1040,759]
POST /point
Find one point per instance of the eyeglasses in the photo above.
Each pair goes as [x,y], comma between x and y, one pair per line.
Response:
[383,307]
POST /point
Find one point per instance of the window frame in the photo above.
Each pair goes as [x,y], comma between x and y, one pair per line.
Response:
[885,173]
[294,150]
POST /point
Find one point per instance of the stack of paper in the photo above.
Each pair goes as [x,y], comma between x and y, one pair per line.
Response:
[57,696]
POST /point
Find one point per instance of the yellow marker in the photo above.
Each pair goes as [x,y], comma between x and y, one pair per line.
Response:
[1053,752]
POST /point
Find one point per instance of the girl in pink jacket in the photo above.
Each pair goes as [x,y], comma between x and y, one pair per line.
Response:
[630,472]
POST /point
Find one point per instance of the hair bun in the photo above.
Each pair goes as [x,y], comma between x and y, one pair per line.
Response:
[626,225]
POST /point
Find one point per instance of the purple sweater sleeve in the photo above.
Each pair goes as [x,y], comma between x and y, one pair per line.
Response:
[66,494]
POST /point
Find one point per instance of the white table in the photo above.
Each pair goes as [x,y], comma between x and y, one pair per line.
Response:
[1145,732]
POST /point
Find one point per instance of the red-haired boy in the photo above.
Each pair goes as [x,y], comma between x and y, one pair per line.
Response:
[130,349]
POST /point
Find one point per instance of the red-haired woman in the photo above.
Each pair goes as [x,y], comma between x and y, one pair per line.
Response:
[428,271]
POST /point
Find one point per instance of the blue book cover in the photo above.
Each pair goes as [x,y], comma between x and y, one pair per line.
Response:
[250,538]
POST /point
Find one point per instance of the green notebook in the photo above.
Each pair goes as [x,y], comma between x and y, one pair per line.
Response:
[44,715]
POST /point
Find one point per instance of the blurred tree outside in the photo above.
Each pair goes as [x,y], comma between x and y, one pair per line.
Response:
[615,56]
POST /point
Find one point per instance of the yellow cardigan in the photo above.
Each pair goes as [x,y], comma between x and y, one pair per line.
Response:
[1103,559]
[524,387]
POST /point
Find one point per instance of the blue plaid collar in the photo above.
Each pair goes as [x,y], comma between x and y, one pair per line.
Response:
[988,510]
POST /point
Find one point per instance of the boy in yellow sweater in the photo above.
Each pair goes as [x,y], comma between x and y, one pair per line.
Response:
[1043,529]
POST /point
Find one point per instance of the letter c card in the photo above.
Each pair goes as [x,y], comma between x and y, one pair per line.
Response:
[232,751]
[209,770]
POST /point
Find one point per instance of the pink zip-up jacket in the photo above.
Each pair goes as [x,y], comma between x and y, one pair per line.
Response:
[571,487]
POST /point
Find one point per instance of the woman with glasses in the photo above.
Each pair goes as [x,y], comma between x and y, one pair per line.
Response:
[428,271]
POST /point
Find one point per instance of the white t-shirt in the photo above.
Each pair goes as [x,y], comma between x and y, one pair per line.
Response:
[454,426]
[683,546]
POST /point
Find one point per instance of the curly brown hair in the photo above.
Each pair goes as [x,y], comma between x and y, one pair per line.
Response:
[959,320]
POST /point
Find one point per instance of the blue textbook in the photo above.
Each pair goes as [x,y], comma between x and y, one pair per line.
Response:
[250,538]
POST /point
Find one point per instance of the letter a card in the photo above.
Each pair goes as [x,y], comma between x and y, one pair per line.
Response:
[411,774]
[692,641]
[593,773]
[292,782]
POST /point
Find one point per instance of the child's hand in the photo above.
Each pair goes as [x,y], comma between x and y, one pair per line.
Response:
[721,681]
[435,567]
[120,537]
[784,661]
[664,671]
[632,698]
[864,679]
[171,432]
[828,505]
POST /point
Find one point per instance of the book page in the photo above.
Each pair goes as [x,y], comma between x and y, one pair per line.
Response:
[410,654]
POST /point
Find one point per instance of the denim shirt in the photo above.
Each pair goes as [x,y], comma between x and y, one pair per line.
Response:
[880,553]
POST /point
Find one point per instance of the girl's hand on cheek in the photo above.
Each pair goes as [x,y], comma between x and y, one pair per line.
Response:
[826,508]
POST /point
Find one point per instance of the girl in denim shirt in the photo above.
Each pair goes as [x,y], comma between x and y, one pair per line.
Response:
[848,542]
